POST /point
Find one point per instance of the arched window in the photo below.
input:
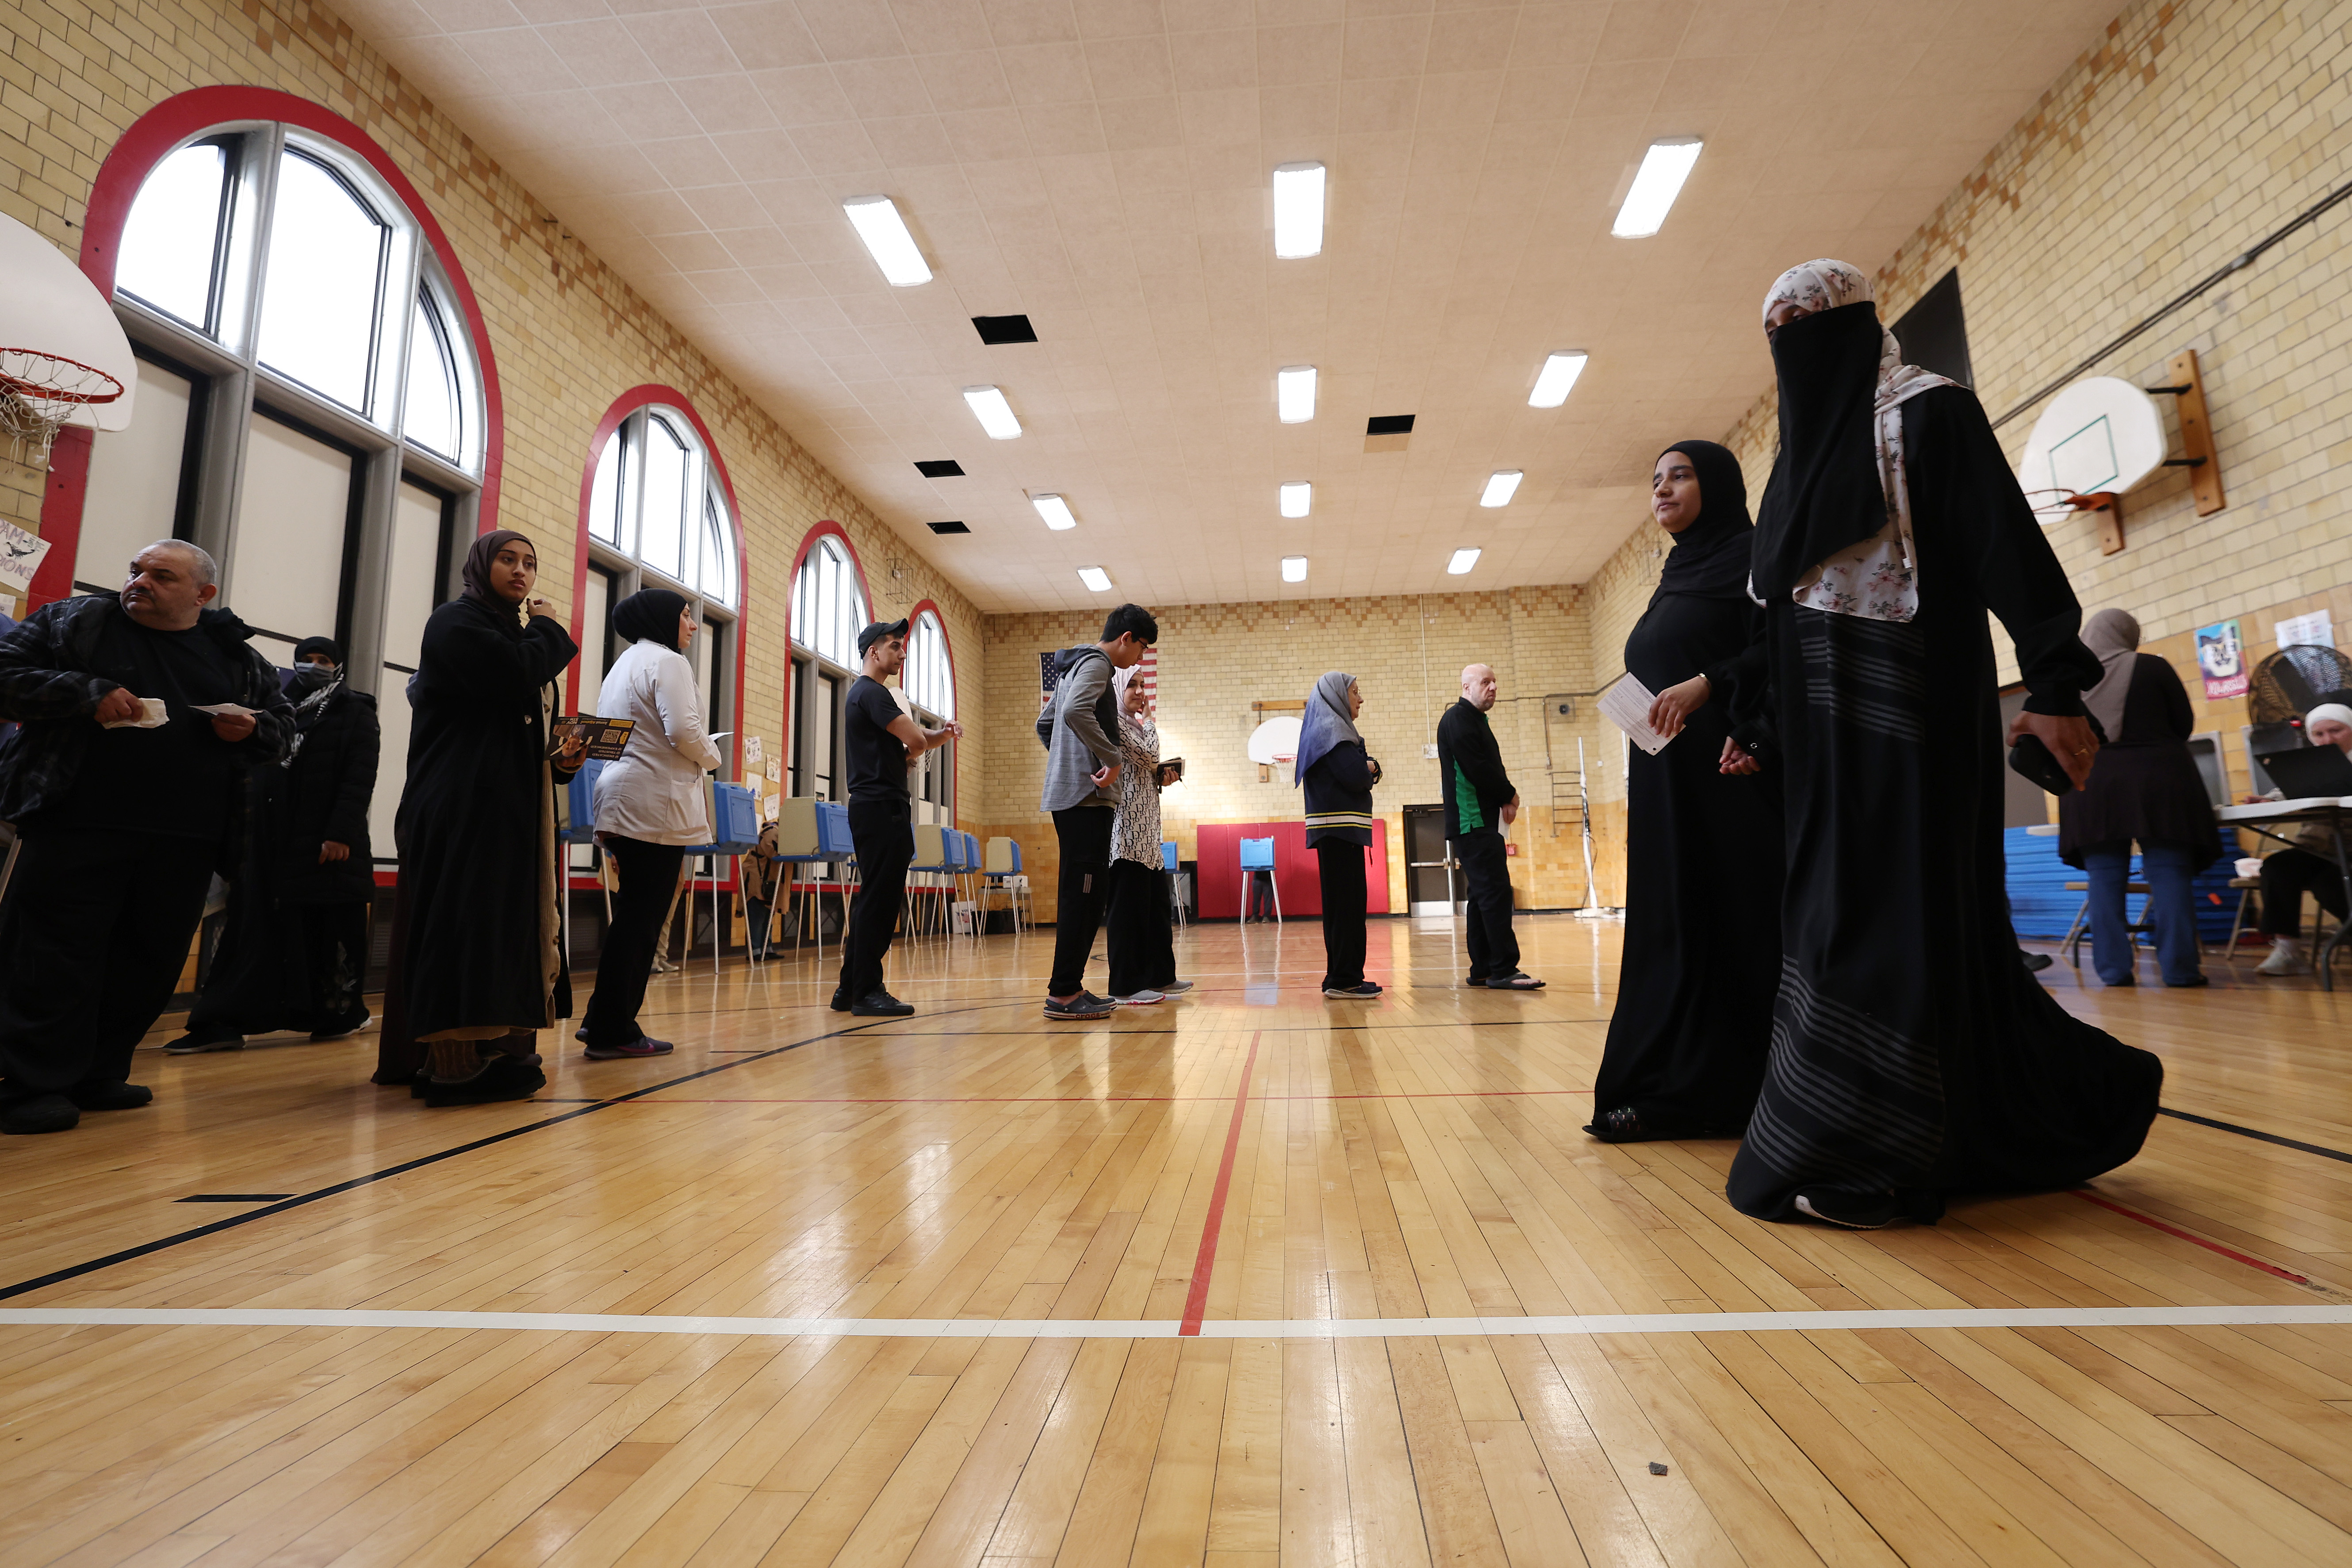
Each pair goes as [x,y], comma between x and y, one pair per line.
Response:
[828,611]
[311,407]
[928,682]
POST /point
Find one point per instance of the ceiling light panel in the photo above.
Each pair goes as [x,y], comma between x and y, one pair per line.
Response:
[1501,485]
[1096,579]
[1294,569]
[1663,169]
[1463,560]
[996,415]
[1055,511]
[1294,394]
[1298,210]
[1297,498]
[893,249]
[1557,379]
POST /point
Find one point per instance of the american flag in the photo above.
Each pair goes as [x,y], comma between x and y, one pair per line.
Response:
[1146,674]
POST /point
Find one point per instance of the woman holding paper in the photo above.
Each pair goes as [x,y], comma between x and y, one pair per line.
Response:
[650,805]
[1702,957]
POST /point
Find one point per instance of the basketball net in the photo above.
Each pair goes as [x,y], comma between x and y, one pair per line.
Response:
[39,392]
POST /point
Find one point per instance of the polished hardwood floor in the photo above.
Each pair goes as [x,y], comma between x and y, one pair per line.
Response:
[1246,1278]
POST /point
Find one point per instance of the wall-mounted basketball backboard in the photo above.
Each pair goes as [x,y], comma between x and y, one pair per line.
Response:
[47,307]
[2102,433]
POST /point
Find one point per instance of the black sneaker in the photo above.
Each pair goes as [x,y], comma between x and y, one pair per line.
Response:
[1852,1211]
[840,1003]
[502,1078]
[879,1004]
[195,1045]
[113,1097]
[1085,1005]
[39,1113]
[1362,991]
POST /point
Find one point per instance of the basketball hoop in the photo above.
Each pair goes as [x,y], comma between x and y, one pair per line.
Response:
[39,392]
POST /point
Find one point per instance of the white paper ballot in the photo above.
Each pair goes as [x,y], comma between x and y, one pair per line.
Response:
[151,716]
[1627,704]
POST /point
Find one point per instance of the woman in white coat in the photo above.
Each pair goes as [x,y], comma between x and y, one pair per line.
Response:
[650,805]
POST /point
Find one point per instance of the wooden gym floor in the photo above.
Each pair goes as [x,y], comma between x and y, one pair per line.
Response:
[1248,1278]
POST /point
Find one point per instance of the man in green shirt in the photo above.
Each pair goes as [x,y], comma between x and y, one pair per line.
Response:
[1480,802]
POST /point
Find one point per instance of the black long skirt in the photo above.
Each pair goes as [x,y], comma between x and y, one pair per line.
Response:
[1911,1052]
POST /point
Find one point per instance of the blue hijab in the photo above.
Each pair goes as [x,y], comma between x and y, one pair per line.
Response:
[1326,722]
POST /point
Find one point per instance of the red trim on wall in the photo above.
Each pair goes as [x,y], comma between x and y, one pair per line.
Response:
[142,146]
[808,541]
[940,615]
[654,395]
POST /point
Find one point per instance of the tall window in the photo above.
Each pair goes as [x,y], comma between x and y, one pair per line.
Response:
[929,683]
[317,416]
[828,611]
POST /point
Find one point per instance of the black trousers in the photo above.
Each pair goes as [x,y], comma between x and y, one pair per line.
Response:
[2286,877]
[93,937]
[886,847]
[337,937]
[1083,888]
[649,874]
[1142,946]
[1341,868]
[756,922]
[1487,872]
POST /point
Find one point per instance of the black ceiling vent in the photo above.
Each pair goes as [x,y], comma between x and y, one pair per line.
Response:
[940,468]
[946,528]
[1389,424]
[1005,328]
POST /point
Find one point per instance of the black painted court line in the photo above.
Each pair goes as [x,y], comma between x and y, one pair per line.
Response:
[232,1198]
[2320,1150]
[75,1271]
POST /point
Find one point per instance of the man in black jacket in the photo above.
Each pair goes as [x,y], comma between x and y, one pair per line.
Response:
[141,713]
[1479,803]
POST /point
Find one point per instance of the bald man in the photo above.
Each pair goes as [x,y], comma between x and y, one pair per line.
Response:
[1479,803]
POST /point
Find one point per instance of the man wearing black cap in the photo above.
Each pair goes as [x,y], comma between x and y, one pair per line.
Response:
[882,741]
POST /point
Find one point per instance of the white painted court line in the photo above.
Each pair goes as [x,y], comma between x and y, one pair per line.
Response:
[1166,1329]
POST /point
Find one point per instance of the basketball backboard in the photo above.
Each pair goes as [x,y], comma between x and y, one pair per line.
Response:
[2100,433]
[1275,740]
[49,307]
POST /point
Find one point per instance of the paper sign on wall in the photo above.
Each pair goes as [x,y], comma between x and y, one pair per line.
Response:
[769,806]
[2221,659]
[20,557]
[2316,629]
[753,750]
[775,770]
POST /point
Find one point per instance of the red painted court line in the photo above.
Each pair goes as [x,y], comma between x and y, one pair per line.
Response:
[1196,1300]
[2174,1230]
[1091,1098]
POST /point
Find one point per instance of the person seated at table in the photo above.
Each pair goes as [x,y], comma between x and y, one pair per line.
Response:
[2310,866]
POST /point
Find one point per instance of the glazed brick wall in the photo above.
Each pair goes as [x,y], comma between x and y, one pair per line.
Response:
[568,335]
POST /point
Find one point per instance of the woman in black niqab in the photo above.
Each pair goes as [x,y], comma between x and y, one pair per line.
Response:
[1702,954]
[478,952]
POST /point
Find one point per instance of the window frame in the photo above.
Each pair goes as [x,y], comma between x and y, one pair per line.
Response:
[809,664]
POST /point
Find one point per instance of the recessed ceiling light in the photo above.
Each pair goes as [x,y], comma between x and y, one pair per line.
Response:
[1094,578]
[996,415]
[1501,486]
[1298,210]
[1557,379]
[1663,169]
[1055,511]
[1294,569]
[894,250]
[1463,560]
[1297,498]
[1294,394]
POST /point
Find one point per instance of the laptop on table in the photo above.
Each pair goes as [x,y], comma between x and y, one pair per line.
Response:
[2310,772]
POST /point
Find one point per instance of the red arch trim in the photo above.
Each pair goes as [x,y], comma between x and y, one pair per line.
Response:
[653,394]
[138,150]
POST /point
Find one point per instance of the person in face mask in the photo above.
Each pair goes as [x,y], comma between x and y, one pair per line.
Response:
[294,944]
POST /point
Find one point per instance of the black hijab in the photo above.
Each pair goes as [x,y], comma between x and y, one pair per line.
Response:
[478,573]
[650,615]
[1710,558]
[1824,493]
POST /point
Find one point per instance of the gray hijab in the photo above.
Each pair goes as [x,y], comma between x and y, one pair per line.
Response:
[1326,722]
[2114,635]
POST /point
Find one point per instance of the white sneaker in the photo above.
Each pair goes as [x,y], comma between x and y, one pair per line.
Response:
[1173,986]
[2286,958]
[1141,998]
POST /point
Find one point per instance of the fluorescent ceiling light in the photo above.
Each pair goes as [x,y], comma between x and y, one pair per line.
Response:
[1665,167]
[1297,498]
[1501,485]
[1055,511]
[1298,210]
[1463,560]
[894,250]
[996,415]
[1094,578]
[1294,569]
[1294,394]
[1557,379]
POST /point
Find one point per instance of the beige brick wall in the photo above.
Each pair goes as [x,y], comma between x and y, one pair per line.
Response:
[568,335]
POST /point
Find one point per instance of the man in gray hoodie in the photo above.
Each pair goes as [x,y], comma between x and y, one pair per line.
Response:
[1082,791]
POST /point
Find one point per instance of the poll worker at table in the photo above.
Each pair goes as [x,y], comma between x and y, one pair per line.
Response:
[1912,1057]
[122,827]
[882,741]
[2310,864]
[2143,788]
[652,801]
[1337,775]
[1703,851]
[1480,802]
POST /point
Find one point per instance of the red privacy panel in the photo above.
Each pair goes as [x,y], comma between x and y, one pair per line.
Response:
[1219,870]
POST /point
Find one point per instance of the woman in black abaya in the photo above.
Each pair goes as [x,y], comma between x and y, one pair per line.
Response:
[479,948]
[1702,955]
[1912,1057]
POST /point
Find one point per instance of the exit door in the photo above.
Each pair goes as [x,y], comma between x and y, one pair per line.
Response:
[1428,863]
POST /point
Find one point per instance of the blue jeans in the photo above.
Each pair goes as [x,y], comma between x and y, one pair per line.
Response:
[2168,870]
